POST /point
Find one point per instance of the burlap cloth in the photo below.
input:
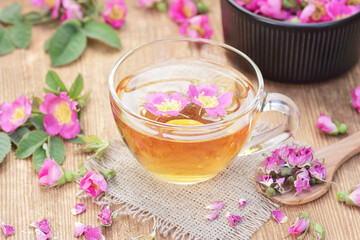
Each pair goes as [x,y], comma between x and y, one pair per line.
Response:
[179,210]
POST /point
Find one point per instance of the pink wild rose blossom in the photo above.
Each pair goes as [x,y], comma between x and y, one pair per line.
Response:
[79,229]
[302,181]
[53,5]
[301,225]
[93,184]
[61,116]
[105,216]
[327,125]
[146,3]
[79,208]
[7,229]
[72,10]
[13,115]
[51,173]
[93,233]
[181,10]
[115,13]
[205,97]
[197,27]
[355,95]
[162,104]
[217,205]
[279,216]
[233,219]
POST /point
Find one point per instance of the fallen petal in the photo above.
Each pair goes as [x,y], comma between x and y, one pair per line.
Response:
[93,233]
[233,218]
[242,202]
[41,235]
[79,229]
[105,216]
[79,208]
[279,216]
[212,216]
[217,205]
[7,230]
[43,225]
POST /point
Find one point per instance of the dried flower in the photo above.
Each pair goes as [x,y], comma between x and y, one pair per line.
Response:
[43,225]
[319,232]
[355,95]
[13,115]
[273,165]
[217,205]
[197,27]
[79,229]
[279,216]
[72,10]
[212,216]
[242,202]
[41,235]
[351,197]
[205,96]
[301,225]
[161,104]
[51,174]
[302,181]
[93,184]
[317,171]
[93,233]
[61,116]
[181,10]
[330,126]
[7,229]
[233,219]
[79,208]
[51,5]
[105,216]
[115,13]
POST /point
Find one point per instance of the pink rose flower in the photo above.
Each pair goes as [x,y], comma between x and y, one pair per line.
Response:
[217,205]
[212,216]
[302,181]
[318,171]
[251,5]
[93,184]
[7,229]
[273,165]
[13,115]
[53,5]
[301,224]
[205,96]
[115,13]
[105,216]
[72,10]
[146,3]
[61,116]
[180,10]
[79,208]
[161,104]
[233,219]
[337,10]
[327,125]
[93,233]
[279,216]
[51,173]
[272,8]
[197,27]
[352,197]
[79,229]
[355,95]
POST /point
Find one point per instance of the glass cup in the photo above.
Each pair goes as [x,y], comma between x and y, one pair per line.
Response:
[186,154]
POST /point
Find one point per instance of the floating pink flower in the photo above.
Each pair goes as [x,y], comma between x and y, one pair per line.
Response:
[242,202]
[146,3]
[302,181]
[279,216]
[352,197]
[43,225]
[115,13]
[272,8]
[212,216]
[13,115]
[61,116]
[53,5]
[93,233]
[105,216]
[205,96]
[327,125]
[233,219]
[7,229]
[318,171]
[79,229]
[51,173]
[93,184]
[79,208]
[197,27]
[355,95]
[180,10]
[72,10]
[301,225]
[161,104]
[217,205]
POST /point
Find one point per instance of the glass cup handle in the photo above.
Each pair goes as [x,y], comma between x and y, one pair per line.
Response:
[283,104]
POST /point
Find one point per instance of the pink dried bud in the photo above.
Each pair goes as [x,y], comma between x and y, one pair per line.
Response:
[351,197]
[233,219]
[79,229]
[79,208]
[302,181]
[7,230]
[301,225]
[217,205]
[242,202]
[279,216]
[212,216]
[327,125]
[318,171]
[319,232]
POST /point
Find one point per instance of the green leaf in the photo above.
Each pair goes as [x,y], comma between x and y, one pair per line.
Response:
[38,122]
[47,90]
[11,14]
[6,46]
[67,44]
[54,82]
[5,146]
[30,142]
[56,149]
[32,16]
[20,34]
[76,140]
[77,87]
[18,134]
[38,158]
[102,32]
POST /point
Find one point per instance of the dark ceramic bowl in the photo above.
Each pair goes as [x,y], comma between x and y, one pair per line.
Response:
[293,53]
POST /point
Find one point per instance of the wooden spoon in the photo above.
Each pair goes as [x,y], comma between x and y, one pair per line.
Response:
[335,155]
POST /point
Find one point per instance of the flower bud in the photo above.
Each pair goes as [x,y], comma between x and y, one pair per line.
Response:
[161,6]
[343,128]
[69,176]
[270,192]
[286,171]
[319,232]
[202,7]
[351,197]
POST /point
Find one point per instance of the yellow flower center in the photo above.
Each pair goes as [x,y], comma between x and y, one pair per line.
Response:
[167,105]
[207,101]
[63,113]
[50,3]
[353,2]
[116,13]
[19,113]
[187,11]
[199,29]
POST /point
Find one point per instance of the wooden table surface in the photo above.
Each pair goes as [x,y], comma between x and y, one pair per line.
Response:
[22,201]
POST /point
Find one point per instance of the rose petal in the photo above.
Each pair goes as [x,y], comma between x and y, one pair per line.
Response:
[233,219]
[105,216]
[217,205]
[7,230]
[79,229]
[43,225]
[279,216]
[242,202]
[41,235]
[79,208]
[212,216]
